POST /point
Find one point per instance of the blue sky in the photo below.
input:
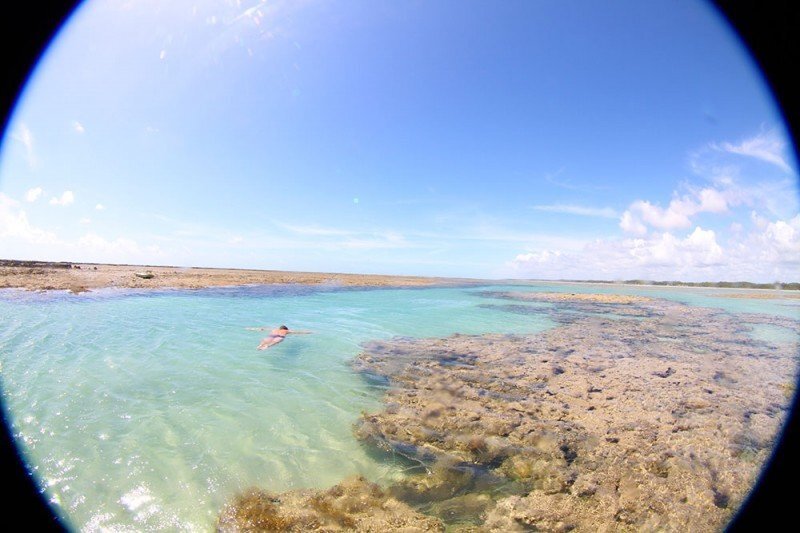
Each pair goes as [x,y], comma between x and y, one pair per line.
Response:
[528,139]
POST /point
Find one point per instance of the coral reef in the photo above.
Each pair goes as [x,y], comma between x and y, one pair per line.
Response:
[659,421]
[632,414]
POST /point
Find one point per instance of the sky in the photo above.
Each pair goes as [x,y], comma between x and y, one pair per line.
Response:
[517,139]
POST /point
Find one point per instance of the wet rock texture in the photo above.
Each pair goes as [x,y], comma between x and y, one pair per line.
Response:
[658,419]
[354,504]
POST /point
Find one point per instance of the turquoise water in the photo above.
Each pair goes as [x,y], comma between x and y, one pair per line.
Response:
[151,410]
[774,334]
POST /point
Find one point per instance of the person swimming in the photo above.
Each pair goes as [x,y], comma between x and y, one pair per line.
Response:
[276,336]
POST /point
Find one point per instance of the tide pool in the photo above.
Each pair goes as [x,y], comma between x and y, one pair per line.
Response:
[150,410]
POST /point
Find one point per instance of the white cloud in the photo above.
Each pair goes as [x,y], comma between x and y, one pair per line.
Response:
[780,198]
[642,212]
[85,220]
[678,213]
[605,212]
[703,248]
[14,224]
[770,252]
[784,234]
[67,197]
[698,249]
[712,201]
[78,127]
[766,146]
[779,240]
[540,258]
[33,194]
[631,224]
[20,239]
[100,207]
[735,170]
[24,136]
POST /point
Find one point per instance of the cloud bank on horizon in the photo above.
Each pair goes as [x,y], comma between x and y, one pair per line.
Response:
[667,243]
[513,141]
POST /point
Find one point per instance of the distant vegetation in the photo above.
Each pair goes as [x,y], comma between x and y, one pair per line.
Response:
[34,264]
[794,286]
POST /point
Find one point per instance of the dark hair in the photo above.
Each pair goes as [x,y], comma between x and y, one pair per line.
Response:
[284,327]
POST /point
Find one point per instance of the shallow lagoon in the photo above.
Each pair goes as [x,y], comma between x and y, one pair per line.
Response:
[151,410]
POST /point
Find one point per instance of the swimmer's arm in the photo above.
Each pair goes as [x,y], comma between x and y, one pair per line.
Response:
[262,328]
[300,332]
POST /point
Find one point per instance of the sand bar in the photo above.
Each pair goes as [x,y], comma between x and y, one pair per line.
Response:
[81,277]
[572,297]
[771,295]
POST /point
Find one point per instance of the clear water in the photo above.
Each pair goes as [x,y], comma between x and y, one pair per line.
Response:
[151,410]
[774,334]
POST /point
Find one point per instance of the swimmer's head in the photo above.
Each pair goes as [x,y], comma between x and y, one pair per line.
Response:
[284,327]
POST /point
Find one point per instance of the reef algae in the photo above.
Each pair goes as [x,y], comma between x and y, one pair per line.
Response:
[354,504]
[660,420]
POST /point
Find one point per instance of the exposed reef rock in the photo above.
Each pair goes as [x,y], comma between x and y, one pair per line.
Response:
[658,419]
[633,414]
[46,276]
[354,504]
[565,308]
[617,299]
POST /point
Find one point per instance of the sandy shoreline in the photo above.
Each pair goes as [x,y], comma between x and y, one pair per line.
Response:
[81,277]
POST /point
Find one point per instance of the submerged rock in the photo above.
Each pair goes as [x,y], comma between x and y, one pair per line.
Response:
[354,504]
[660,421]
